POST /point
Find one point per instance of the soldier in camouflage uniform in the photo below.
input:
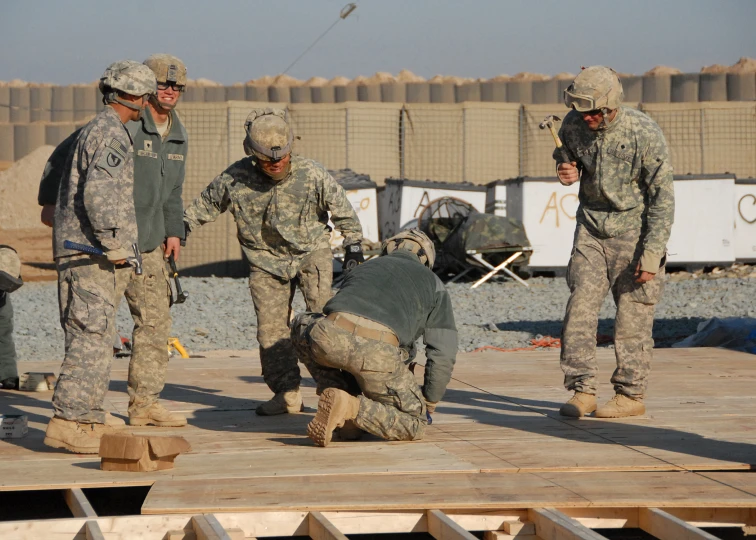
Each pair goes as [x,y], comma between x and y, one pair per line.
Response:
[280,203]
[95,206]
[364,342]
[623,223]
[160,143]
[10,280]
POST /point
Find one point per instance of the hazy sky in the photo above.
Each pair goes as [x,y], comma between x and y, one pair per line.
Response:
[69,41]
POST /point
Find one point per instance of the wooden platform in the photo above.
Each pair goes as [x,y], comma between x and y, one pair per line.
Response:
[497,443]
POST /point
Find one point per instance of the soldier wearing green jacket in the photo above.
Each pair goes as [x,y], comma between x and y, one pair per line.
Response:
[359,350]
[159,154]
[280,203]
[626,210]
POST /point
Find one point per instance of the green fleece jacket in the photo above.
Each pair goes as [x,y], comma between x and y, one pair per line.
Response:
[159,167]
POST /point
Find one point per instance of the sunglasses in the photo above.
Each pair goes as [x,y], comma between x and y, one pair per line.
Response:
[175,86]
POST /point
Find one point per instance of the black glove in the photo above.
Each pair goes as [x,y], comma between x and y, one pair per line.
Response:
[352,256]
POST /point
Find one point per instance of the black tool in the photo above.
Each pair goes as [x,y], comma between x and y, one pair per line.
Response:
[181,295]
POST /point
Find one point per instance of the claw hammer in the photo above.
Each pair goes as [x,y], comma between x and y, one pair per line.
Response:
[548,122]
[181,295]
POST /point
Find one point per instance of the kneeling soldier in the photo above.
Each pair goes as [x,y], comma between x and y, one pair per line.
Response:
[364,341]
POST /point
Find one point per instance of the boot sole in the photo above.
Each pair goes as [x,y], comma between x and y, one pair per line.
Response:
[619,415]
[55,443]
[320,430]
[149,422]
[292,410]
[573,412]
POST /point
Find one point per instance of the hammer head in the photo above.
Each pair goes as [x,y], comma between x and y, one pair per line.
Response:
[181,297]
[549,121]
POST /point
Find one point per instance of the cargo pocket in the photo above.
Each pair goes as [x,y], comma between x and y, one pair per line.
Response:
[650,292]
[156,293]
[87,309]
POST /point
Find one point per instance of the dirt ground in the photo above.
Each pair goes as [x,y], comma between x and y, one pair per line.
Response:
[34,247]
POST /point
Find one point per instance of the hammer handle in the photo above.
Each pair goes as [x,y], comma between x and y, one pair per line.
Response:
[174,274]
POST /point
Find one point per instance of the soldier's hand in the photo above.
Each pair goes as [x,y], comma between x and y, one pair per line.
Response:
[568,173]
[48,214]
[172,245]
[352,256]
[641,276]
[431,406]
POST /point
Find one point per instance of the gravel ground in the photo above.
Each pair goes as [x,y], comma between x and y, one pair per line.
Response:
[219,313]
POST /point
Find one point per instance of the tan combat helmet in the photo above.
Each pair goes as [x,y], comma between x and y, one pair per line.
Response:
[594,88]
[412,240]
[10,270]
[168,70]
[269,136]
[129,77]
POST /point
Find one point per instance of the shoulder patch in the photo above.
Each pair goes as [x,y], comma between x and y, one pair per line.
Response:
[175,157]
[113,157]
[118,146]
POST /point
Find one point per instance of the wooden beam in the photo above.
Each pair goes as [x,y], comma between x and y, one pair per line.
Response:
[604,518]
[665,526]
[207,527]
[442,527]
[92,530]
[78,503]
[501,535]
[322,529]
[551,524]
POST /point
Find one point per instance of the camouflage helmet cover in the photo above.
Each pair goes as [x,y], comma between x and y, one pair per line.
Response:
[129,77]
[167,68]
[412,240]
[595,87]
[10,269]
[269,135]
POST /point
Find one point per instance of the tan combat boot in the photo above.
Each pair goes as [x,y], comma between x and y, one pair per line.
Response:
[74,436]
[114,421]
[282,403]
[579,405]
[350,432]
[156,415]
[334,409]
[621,406]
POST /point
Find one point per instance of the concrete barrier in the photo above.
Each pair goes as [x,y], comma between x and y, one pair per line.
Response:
[546,91]
[85,102]
[20,105]
[235,93]
[40,100]
[62,104]
[369,92]
[495,91]
[442,92]
[633,89]
[740,86]
[393,92]
[467,92]
[712,87]
[27,138]
[656,89]
[56,133]
[418,92]
[256,93]
[345,93]
[6,142]
[684,88]
[322,94]
[279,94]
[4,105]
[520,92]
[300,94]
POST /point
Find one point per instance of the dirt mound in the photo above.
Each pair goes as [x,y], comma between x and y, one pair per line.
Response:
[18,191]
[744,65]
[381,77]
[316,81]
[662,70]
[406,76]
[501,78]
[339,81]
[285,80]
[359,79]
[527,76]
[564,76]
[715,68]
[202,82]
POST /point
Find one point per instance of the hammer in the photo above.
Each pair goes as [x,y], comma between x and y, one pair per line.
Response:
[181,295]
[548,122]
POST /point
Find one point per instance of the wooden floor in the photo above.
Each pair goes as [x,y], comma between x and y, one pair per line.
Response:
[497,441]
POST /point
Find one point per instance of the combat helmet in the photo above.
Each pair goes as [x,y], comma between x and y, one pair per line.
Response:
[168,70]
[129,77]
[594,88]
[412,240]
[10,269]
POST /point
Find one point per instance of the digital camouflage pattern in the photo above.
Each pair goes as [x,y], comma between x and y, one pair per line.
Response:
[269,133]
[167,68]
[8,367]
[595,87]
[88,291]
[148,297]
[278,223]
[272,296]
[625,179]
[129,77]
[392,405]
[10,270]
[95,203]
[597,266]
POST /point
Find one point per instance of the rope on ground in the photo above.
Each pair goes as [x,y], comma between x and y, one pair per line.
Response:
[546,342]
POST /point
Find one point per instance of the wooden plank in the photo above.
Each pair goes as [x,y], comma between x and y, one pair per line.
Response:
[378,522]
[501,535]
[92,531]
[551,524]
[78,503]
[442,527]
[322,529]
[665,526]
[207,527]
[604,518]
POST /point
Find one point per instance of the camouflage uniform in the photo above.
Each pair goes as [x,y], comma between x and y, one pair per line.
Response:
[624,218]
[282,228]
[10,280]
[95,206]
[393,405]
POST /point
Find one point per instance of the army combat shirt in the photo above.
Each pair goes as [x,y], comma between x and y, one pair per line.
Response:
[278,223]
[398,291]
[625,179]
[95,202]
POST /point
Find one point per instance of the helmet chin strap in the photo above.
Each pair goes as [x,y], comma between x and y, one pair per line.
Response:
[112,97]
[163,105]
[276,176]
